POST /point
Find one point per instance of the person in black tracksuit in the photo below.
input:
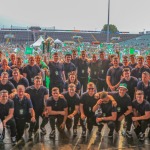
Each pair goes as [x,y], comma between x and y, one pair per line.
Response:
[94,70]
[23,112]
[74,59]
[140,68]
[18,79]
[39,95]
[124,108]
[72,79]
[103,66]
[141,118]
[126,63]
[72,99]
[106,112]
[68,65]
[57,110]
[130,81]
[5,84]
[144,85]
[31,70]
[57,73]
[114,74]
[6,114]
[82,70]
[87,101]
[132,62]
[5,68]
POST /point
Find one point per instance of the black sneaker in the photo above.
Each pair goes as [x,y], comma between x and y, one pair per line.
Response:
[74,132]
[110,134]
[123,132]
[83,133]
[30,136]
[52,134]
[141,137]
[89,131]
[1,141]
[36,130]
[98,133]
[149,134]
[13,140]
[128,134]
[26,126]
[43,131]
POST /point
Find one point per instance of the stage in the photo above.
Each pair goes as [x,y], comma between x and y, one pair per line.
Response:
[67,141]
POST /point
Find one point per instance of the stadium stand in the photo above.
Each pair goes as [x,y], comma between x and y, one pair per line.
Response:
[140,41]
[23,36]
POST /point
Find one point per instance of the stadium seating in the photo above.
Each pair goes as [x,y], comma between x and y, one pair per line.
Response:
[140,41]
[31,36]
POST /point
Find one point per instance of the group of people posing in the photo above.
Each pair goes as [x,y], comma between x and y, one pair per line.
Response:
[93,92]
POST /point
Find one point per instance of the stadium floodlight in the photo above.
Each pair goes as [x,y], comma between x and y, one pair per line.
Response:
[108,21]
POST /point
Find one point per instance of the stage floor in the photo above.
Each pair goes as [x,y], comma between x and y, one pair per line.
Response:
[67,141]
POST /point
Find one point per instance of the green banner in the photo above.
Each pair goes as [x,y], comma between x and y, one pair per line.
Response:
[132,51]
[43,64]
[28,50]
[47,82]
[101,45]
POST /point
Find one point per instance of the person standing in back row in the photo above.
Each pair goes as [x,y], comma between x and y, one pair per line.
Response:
[82,70]
[74,59]
[103,66]
[68,65]
[93,65]
[114,74]
[31,70]
[140,68]
[57,73]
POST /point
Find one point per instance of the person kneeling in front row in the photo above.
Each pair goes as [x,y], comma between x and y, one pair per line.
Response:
[57,110]
[106,112]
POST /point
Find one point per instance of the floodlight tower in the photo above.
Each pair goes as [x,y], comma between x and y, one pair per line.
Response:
[108,21]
